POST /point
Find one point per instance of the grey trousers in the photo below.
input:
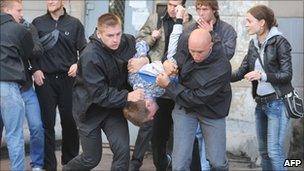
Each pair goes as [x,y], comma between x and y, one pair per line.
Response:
[214,133]
[116,129]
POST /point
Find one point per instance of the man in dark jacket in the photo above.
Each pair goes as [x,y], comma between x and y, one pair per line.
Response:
[100,93]
[54,75]
[16,45]
[209,19]
[32,109]
[203,95]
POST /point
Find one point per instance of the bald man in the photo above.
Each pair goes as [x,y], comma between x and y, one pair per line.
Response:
[202,96]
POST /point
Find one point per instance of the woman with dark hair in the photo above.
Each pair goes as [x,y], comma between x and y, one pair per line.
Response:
[268,66]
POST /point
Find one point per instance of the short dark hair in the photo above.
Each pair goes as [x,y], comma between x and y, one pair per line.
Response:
[136,112]
[183,2]
[108,19]
[7,4]
[262,12]
[211,3]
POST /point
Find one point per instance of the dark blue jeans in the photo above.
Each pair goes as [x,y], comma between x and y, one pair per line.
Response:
[271,127]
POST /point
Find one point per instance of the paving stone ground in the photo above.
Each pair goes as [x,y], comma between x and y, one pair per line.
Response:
[235,162]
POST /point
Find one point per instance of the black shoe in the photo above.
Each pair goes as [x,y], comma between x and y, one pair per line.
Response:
[134,165]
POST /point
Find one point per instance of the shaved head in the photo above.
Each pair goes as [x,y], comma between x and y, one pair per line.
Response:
[200,44]
[200,37]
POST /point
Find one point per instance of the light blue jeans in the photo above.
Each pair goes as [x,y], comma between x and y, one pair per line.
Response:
[12,113]
[214,134]
[33,116]
[202,149]
[272,126]
[1,128]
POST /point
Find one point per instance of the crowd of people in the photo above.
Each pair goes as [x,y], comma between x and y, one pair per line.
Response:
[48,65]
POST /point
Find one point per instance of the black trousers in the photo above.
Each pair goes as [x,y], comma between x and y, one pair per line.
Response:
[162,125]
[57,92]
[196,160]
[115,126]
[141,146]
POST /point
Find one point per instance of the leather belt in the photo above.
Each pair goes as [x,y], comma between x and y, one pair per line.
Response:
[267,98]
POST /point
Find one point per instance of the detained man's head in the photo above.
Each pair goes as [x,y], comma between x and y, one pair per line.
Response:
[109,30]
[136,112]
[200,45]
[54,5]
[12,7]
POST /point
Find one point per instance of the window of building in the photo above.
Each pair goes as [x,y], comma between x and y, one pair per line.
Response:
[118,7]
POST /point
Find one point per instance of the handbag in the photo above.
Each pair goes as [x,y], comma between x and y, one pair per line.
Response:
[294,105]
